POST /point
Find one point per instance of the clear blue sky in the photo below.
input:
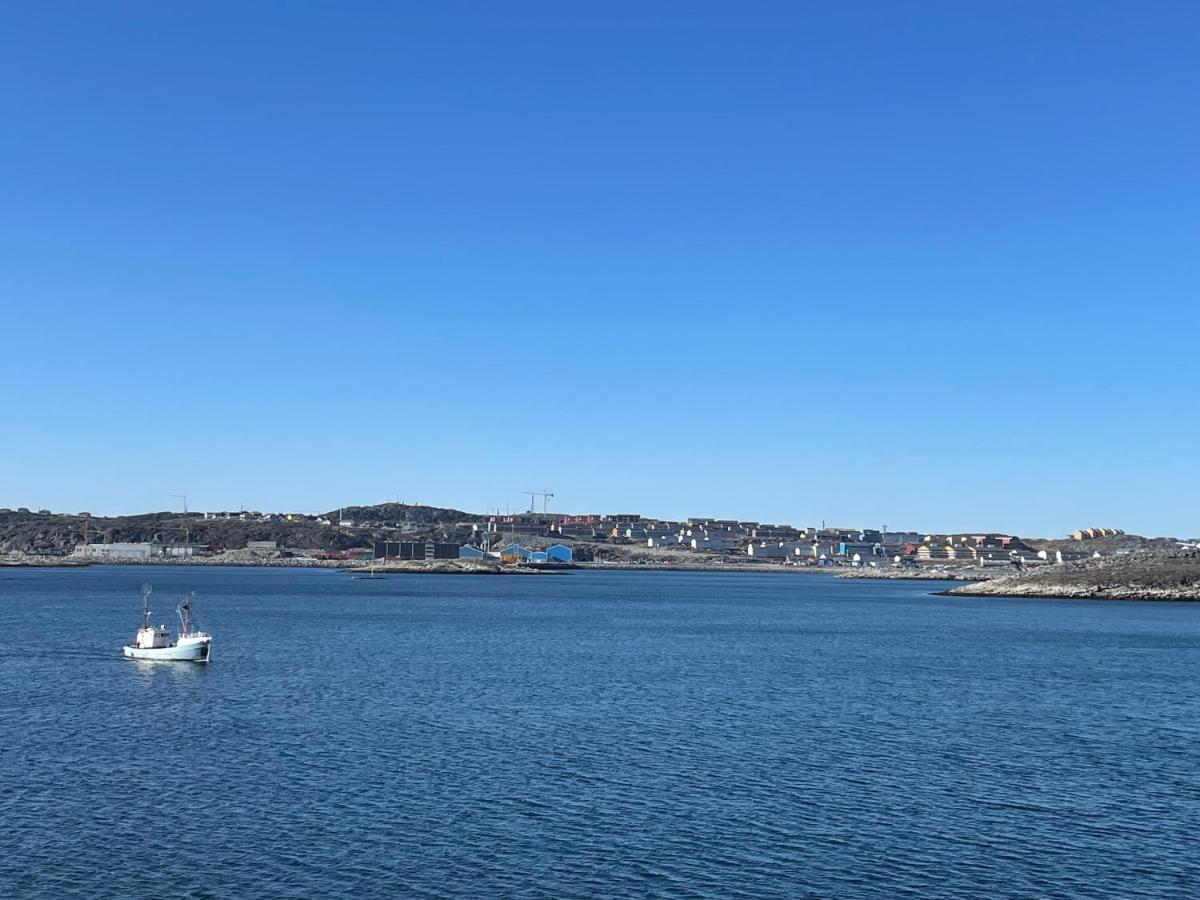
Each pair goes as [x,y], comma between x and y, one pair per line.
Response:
[926,264]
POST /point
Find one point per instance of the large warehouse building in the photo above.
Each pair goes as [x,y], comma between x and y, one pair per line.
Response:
[415,550]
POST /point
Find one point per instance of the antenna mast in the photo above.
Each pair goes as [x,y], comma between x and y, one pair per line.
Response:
[185,612]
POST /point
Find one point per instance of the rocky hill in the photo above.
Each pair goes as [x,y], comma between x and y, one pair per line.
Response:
[1140,575]
[23,531]
[1105,546]
[403,515]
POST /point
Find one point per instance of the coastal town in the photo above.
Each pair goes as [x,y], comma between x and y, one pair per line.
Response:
[398,533]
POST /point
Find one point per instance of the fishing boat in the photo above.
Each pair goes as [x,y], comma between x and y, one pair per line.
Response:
[154,641]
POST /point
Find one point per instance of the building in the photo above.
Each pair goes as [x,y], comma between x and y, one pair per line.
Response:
[713,533]
[524,523]
[560,553]
[766,550]
[399,549]
[185,550]
[777,533]
[515,553]
[1088,534]
[793,550]
[583,532]
[466,551]
[838,535]
[937,553]
[862,548]
[624,518]
[798,549]
[416,550]
[130,552]
[664,539]
[262,545]
[589,519]
[712,545]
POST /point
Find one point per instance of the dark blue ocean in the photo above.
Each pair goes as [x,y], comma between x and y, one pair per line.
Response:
[594,734]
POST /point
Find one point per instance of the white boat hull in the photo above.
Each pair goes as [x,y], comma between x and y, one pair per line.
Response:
[182,651]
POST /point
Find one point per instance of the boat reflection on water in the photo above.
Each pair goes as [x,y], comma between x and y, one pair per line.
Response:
[152,672]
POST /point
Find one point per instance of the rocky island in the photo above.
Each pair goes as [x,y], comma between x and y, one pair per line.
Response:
[1139,575]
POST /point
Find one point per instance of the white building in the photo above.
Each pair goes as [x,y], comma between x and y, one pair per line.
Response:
[766,550]
[184,550]
[664,539]
[127,551]
[712,545]
[780,549]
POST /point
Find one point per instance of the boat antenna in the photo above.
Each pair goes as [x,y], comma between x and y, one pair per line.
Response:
[146,590]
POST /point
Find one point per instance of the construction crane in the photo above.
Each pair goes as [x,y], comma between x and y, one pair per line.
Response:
[545,495]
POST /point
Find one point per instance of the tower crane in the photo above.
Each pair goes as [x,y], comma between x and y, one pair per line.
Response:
[545,495]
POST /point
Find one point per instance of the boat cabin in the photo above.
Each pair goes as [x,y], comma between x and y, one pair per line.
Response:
[152,638]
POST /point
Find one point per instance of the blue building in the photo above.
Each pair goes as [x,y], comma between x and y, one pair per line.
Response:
[466,551]
[560,553]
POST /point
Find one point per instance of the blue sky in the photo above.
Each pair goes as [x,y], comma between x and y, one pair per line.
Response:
[924,264]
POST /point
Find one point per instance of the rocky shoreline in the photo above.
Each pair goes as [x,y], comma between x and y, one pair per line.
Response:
[1144,575]
[445,567]
[1051,592]
[14,561]
[692,564]
[1148,575]
[889,574]
[258,559]
[418,567]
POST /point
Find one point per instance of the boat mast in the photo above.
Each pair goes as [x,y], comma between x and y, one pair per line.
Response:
[185,612]
[146,589]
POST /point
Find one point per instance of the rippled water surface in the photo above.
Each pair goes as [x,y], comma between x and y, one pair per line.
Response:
[617,734]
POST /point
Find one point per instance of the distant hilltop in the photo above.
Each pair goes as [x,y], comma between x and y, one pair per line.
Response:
[45,533]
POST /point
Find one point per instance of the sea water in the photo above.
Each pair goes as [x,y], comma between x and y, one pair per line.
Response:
[593,734]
